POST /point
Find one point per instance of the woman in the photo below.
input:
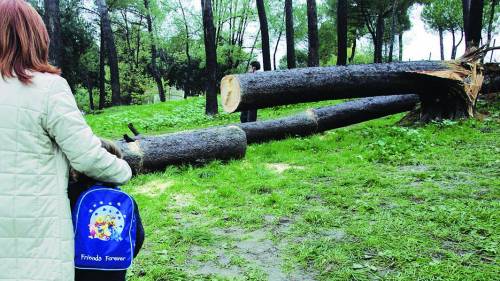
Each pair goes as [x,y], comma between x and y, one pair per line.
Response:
[42,133]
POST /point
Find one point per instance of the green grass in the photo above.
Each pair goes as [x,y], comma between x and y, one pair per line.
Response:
[373,201]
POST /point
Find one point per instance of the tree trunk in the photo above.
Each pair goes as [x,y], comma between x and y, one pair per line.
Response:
[322,119]
[441,45]
[290,40]
[264,31]
[361,110]
[379,40]
[154,68]
[466,16]
[128,45]
[91,95]
[433,79]
[313,39]
[276,49]
[155,153]
[107,35]
[400,41]
[211,107]
[473,22]
[303,124]
[53,23]
[393,28]
[490,20]
[342,32]
[453,46]
[188,55]
[138,42]
[353,50]
[102,74]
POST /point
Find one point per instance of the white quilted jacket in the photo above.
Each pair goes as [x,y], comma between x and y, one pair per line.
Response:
[42,132]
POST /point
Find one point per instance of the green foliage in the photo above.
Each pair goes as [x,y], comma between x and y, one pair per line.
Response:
[444,15]
[327,42]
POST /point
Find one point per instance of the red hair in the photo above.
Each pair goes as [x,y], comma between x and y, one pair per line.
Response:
[24,41]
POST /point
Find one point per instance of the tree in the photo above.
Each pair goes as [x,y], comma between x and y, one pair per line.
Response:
[375,13]
[154,68]
[445,16]
[355,24]
[492,18]
[188,55]
[90,72]
[108,37]
[342,32]
[211,107]
[290,43]
[52,20]
[313,39]
[264,31]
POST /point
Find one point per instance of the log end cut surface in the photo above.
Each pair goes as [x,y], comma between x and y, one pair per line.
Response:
[231,93]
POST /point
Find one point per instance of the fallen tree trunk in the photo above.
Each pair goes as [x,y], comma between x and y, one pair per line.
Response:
[326,118]
[459,80]
[303,124]
[361,110]
[154,153]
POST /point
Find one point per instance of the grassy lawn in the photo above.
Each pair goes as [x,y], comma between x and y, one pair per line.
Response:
[373,201]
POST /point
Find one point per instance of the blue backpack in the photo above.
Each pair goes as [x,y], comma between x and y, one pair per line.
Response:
[105,229]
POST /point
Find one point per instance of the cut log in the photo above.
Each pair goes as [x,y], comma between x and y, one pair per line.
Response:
[155,153]
[458,79]
[361,110]
[303,124]
[326,118]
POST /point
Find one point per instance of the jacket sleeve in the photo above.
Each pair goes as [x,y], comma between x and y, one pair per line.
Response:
[66,125]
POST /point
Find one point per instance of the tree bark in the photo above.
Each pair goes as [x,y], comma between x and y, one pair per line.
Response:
[400,42]
[155,153]
[303,124]
[91,95]
[361,110]
[154,67]
[53,23]
[427,78]
[188,55]
[353,50]
[211,107]
[322,119]
[490,20]
[441,45]
[473,22]
[264,32]
[102,73]
[453,46]
[313,38]
[342,32]
[466,16]
[107,35]
[379,40]
[393,28]
[290,39]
